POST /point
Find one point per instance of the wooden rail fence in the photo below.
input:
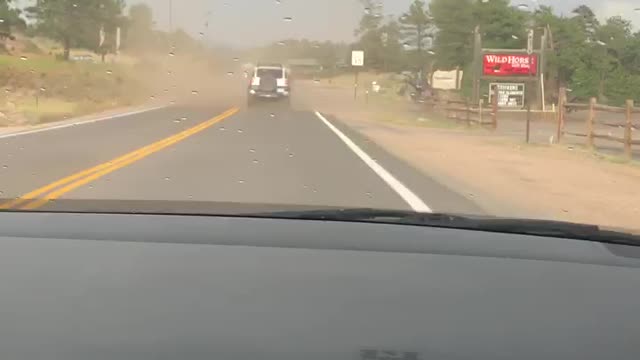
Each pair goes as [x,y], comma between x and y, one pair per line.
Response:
[592,110]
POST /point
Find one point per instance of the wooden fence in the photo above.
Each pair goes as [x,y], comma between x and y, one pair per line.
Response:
[591,121]
[463,110]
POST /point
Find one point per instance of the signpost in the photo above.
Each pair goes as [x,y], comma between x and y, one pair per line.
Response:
[509,94]
[357,61]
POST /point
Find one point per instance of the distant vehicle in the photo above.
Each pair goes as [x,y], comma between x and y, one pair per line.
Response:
[269,81]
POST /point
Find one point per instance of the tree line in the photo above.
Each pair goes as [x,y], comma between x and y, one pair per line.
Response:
[92,25]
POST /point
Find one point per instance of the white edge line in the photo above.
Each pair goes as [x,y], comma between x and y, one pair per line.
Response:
[90,121]
[405,193]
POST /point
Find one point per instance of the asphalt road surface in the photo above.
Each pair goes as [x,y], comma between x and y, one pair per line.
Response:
[268,154]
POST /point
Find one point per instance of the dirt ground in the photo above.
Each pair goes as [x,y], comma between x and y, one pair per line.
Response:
[505,177]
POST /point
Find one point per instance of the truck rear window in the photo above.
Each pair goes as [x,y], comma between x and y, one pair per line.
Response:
[274,73]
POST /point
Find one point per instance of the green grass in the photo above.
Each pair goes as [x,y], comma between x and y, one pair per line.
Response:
[46,109]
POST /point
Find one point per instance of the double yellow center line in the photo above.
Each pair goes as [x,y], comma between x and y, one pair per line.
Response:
[55,190]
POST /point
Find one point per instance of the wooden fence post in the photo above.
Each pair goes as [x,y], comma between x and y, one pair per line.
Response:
[562,101]
[590,122]
[627,131]
[494,113]
[468,107]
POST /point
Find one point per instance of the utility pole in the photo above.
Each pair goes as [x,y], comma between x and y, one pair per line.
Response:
[170,16]
[477,64]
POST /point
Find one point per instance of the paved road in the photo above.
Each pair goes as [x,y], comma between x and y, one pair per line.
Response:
[269,154]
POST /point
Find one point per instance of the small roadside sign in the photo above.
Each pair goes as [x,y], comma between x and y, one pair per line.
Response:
[357,58]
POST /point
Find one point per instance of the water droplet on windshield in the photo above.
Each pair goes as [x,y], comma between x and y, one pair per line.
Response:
[255,161]
[222,128]
[240,131]
[109,72]
[194,92]
[367,11]
[5,166]
[24,58]
[515,37]
[253,151]
[291,155]
[316,81]
[287,19]
[369,194]
[272,115]
[282,43]
[240,181]
[523,7]
[230,73]
[236,59]
[167,179]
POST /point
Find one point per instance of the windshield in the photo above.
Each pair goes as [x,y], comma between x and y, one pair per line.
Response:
[511,109]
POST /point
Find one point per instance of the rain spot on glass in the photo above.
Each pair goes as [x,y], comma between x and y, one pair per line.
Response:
[43,89]
[1,193]
[152,97]
[367,11]
[5,166]
[291,155]
[109,72]
[515,37]
[369,194]
[201,34]
[287,19]
[236,59]
[173,102]
[406,45]
[240,131]
[172,54]
[230,73]
[241,181]
[282,43]
[599,42]
[272,115]
[253,151]
[523,7]
[222,128]
[316,81]
[431,52]
[167,179]
[24,58]
[194,92]
[255,161]
[278,2]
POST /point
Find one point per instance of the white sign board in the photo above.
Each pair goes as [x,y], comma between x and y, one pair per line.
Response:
[447,80]
[357,58]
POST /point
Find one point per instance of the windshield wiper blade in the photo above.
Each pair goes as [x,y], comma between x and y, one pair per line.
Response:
[548,228]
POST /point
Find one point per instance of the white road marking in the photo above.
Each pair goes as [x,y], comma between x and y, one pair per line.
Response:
[70,124]
[407,195]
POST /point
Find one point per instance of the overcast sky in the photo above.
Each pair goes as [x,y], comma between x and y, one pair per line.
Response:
[251,22]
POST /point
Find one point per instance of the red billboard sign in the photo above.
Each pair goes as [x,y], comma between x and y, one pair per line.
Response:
[509,65]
